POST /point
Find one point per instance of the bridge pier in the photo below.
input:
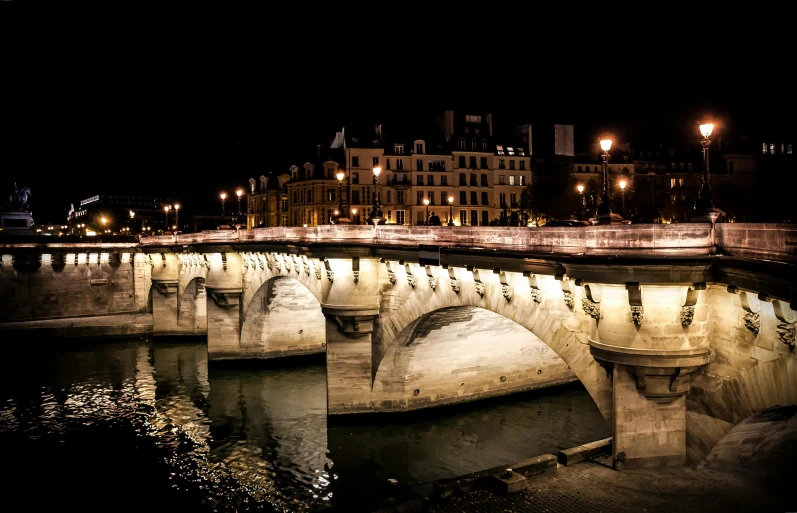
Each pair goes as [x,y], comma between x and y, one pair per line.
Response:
[351,309]
[224,286]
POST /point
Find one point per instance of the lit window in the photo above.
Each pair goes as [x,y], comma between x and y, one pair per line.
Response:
[672,183]
[673,199]
[499,149]
[473,119]
[764,148]
[521,180]
[771,148]
[680,182]
[509,150]
[511,179]
[520,151]
[788,149]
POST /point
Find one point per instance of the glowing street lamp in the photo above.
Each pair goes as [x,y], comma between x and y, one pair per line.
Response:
[339,175]
[451,211]
[104,221]
[704,206]
[238,193]
[353,213]
[176,215]
[223,196]
[622,188]
[604,210]
[376,210]
[426,202]
[166,209]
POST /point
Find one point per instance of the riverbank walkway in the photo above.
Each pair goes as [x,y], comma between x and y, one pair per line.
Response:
[592,486]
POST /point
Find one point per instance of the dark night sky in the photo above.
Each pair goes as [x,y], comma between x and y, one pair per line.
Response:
[187,124]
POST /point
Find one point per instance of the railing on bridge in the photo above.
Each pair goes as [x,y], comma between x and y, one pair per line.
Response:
[748,240]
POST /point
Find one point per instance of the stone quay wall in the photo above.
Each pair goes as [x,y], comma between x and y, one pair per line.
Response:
[87,282]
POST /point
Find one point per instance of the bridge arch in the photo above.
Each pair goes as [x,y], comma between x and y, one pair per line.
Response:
[464,353]
[556,327]
[283,318]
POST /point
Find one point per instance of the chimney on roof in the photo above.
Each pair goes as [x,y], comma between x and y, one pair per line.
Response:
[263,184]
[252,185]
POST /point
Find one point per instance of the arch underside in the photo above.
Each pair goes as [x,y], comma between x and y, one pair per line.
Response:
[461,354]
[283,318]
[558,330]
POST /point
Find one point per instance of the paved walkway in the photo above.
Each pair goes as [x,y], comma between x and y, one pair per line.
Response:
[80,327]
[69,322]
[594,487]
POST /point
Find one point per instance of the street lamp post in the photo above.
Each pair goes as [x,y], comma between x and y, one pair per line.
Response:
[340,175]
[177,215]
[166,209]
[450,211]
[604,210]
[705,211]
[580,189]
[353,214]
[623,183]
[426,202]
[223,196]
[376,210]
[238,193]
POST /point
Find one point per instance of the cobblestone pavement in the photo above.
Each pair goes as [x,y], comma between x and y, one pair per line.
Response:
[594,487]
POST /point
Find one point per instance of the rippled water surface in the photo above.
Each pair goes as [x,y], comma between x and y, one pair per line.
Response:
[134,425]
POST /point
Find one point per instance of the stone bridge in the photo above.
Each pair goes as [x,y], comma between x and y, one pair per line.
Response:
[678,332]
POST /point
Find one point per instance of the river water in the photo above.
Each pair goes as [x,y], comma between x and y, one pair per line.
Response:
[140,425]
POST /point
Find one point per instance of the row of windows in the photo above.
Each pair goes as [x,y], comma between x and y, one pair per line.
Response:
[784,148]
[440,165]
[464,197]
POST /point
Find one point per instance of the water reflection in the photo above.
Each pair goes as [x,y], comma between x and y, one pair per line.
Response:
[137,424]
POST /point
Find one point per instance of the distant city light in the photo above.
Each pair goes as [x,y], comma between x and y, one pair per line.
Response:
[606,144]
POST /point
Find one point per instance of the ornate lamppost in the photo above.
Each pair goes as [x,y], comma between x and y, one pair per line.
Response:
[353,213]
[426,202]
[177,216]
[580,189]
[604,210]
[450,211]
[339,212]
[166,209]
[622,184]
[376,210]
[238,193]
[223,197]
[705,211]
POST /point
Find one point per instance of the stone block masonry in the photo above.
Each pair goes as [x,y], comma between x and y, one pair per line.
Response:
[73,285]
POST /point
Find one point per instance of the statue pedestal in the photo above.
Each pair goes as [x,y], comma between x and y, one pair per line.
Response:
[16,223]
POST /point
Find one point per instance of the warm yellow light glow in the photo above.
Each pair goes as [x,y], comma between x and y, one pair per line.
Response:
[166,208]
[580,188]
[451,199]
[377,170]
[132,214]
[706,129]
[426,201]
[622,184]
[340,176]
[336,212]
[305,225]
[354,211]
[223,196]
[104,220]
[606,144]
[239,192]
[177,206]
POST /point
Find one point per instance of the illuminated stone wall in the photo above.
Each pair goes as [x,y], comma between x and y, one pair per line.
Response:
[749,371]
[284,318]
[84,284]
